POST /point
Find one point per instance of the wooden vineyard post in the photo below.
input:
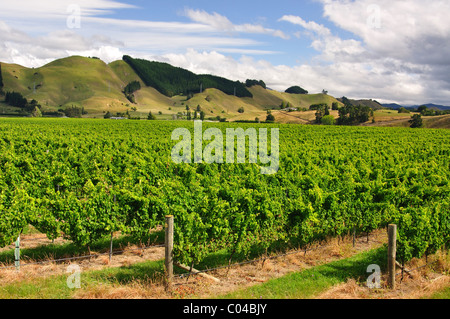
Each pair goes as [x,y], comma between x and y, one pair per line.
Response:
[111,248]
[392,252]
[169,251]
[354,236]
[111,242]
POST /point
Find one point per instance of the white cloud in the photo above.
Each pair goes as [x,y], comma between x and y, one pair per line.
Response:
[43,26]
[399,50]
[415,30]
[222,23]
[105,53]
[311,25]
[404,58]
[50,9]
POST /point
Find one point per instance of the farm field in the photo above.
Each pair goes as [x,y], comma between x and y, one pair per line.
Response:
[82,180]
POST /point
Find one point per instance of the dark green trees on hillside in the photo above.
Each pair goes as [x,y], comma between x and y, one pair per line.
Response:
[130,89]
[16,99]
[425,111]
[1,79]
[322,110]
[270,118]
[166,79]
[315,107]
[346,101]
[416,121]
[170,80]
[354,114]
[226,86]
[74,111]
[296,90]
[250,83]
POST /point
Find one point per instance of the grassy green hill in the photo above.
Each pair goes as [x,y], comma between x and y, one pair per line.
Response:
[97,86]
[71,81]
[375,105]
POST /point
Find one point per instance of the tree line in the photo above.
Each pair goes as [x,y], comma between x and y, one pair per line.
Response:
[250,83]
[1,79]
[171,81]
[16,99]
[33,107]
[349,114]
[130,89]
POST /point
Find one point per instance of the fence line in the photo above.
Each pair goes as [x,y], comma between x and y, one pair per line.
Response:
[83,257]
[189,274]
[181,276]
[298,251]
[415,269]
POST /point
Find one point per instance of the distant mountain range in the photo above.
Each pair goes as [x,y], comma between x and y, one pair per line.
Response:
[429,105]
[374,104]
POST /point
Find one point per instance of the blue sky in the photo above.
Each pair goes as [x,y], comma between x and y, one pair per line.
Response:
[392,51]
[265,13]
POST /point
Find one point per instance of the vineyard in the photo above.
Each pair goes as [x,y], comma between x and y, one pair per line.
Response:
[82,180]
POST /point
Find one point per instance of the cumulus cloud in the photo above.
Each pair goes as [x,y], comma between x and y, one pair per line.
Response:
[407,30]
[34,51]
[391,51]
[50,9]
[56,28]
[311,25]
[397,51]
[222,23]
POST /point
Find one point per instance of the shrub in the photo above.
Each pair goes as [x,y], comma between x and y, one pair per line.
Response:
[328,120]
[416,121]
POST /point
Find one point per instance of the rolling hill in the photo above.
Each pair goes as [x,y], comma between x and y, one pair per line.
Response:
[396,106]
[375,105]
[98,88]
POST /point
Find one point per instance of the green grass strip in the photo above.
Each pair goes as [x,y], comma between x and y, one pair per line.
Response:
[441,294]
[310,282]
[56,287]
[303,284]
